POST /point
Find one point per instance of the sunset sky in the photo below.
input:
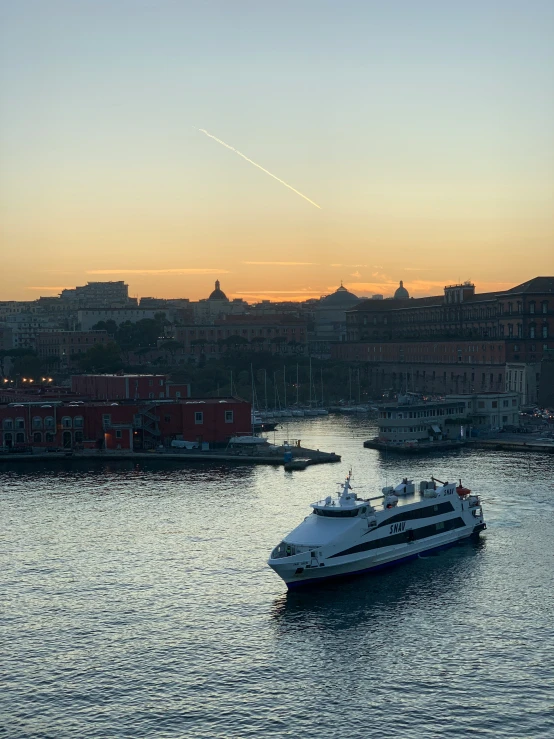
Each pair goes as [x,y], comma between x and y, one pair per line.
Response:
[423,131]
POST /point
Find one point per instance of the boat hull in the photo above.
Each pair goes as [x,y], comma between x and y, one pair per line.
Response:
[317,575]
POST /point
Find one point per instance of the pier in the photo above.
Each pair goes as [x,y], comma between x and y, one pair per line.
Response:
[505,442]
[301,456]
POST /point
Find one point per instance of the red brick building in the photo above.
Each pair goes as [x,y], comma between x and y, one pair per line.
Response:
[281,333]
[62,349]
[461,341]
[122,426]
[128,387]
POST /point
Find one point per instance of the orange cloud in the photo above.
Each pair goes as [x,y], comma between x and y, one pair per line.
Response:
[177,271]
[56,289]
[284,264]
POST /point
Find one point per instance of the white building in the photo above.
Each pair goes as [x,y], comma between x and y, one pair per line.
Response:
[26,326]
[217,305]
[523,378]
[86,319]
[421,422]
[490,411]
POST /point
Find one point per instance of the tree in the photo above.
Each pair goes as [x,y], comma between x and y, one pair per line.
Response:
[109,326]
[28,365]
[279,341]
[172,346]
[102,358]
[235,342]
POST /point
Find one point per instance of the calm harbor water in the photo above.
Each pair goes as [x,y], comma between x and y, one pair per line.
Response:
[136,602]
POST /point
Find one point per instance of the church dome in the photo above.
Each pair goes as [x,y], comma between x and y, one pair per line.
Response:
[218,293]
[341,297]
[401,292]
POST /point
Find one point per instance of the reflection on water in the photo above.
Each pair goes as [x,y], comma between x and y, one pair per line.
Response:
[136,602]
[383,594]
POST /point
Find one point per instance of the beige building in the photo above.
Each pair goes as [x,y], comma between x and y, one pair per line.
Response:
[490,411]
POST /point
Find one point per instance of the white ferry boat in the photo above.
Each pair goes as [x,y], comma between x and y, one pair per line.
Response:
[348,535]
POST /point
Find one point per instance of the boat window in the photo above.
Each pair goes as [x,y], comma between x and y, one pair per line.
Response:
[283,550]
[336,513]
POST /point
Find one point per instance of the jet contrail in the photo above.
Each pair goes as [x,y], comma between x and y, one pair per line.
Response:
[232,148]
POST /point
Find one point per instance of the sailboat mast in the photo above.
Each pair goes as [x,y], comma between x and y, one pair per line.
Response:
[310,382]
[265,388]
[253,403]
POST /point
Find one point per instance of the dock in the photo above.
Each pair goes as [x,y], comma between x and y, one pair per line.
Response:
[498,444]
[300,455]
[511,445]
[435,446]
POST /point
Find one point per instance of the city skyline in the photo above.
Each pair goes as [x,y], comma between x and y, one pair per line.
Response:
[422,133]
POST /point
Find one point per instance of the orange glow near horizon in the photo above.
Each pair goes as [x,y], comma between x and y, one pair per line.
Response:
[421,150]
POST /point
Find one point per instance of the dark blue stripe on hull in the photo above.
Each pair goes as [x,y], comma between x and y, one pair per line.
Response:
[374,568]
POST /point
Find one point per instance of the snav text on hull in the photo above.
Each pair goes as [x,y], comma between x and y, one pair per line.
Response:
[348,535]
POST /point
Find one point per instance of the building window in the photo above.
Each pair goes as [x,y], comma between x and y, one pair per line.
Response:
[545,306]
[495,403]
[161,383]
[118,434]
[20,438]
[19,423]
[48,437]
[151,396]
[78,437]
[167,419]
[7,423]
[106,420]
[198,417]
[510,329]
[228,416]
[532,331]
[49,422]
[545,331]
[37,437]
[481,404]
[78,422]
[150,383]
[532,306]
[66,422]
[37,422]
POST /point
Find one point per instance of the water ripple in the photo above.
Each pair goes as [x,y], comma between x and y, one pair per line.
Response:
[135,602]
